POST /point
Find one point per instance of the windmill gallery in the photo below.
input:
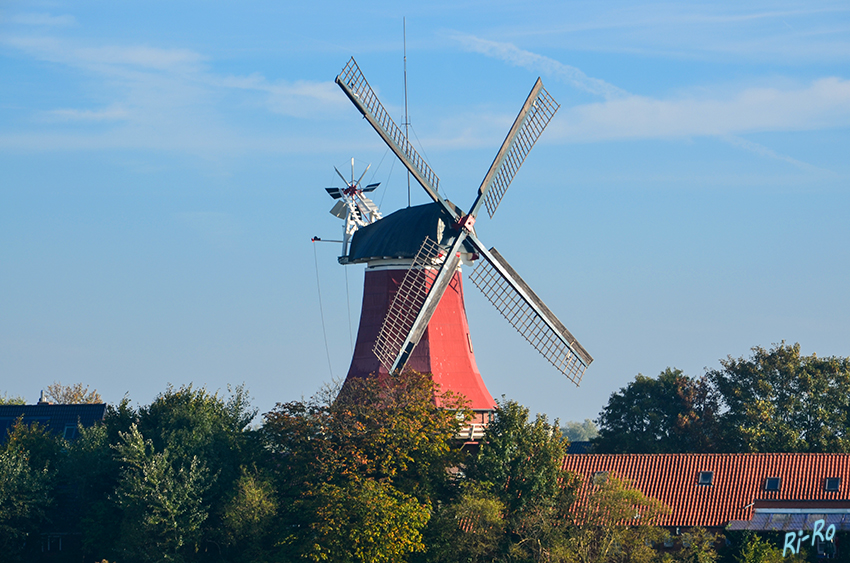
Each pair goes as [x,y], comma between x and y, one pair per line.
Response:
[413,312]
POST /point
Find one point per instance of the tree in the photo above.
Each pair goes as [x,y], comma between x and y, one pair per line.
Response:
[27,484]
[756,549]
[192,422]
[671,414]
[35,443]
[24,499]
[366,520]
[698,546]
[11,400]
[249,514]
[468,528]
[580,431]
[775,401]
[181,461]
[155,484]
[162,496]
[90,472]
[521,459]
[357,476]
[520,463]
[781,401]
[612,521]
[71,394]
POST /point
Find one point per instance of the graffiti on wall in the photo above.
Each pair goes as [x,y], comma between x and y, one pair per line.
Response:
[817,533]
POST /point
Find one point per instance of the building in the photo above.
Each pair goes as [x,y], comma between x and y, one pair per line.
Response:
[780,492]
[60,420]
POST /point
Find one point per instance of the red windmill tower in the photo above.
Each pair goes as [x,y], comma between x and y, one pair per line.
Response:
[413,311]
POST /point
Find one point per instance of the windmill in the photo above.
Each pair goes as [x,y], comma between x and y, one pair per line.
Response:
[352,206]
[413,313]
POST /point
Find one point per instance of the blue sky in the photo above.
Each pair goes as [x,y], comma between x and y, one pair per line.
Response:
[162,167]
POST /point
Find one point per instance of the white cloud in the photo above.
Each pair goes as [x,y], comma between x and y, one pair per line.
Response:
[110,113]
[146,57]
[300,98]
[152,58]
[42,20]
[169,99]
[755,31]
[825,103]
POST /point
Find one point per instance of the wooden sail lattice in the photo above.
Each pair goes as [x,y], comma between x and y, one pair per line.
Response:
[356,84]
[541,112]
[408,301]
[554,342]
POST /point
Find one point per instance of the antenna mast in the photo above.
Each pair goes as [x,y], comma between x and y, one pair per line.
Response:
[406,117]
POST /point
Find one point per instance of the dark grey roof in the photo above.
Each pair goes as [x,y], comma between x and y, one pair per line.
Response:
[400,234]
[580,448]
[57,418]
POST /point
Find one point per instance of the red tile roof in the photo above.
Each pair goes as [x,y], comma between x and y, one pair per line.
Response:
[738,481]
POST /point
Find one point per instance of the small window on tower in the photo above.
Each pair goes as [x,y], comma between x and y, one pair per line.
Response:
[772,483]
[832,484]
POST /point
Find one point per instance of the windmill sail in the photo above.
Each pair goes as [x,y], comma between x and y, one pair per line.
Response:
[533,118]
[512,297]
[367,206]
[415,302]
[355,86]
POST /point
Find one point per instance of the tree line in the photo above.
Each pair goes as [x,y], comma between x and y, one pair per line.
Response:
[777,400]
[373,475]
[373,472]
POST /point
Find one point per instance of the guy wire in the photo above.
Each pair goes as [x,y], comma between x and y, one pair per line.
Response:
[322,311]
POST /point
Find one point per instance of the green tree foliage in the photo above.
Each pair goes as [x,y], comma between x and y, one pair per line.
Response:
[179,462]
[195,423]
[11,400]
[366,520]
[781,401]
[520,461]
[249,514]
[119,418]
[580,431]
[155,484]
[517,504]
[24,500]
[469,528]
[775,401]
[612,522]
[698,546]
[73,394]
[91,471]
[756,549]
[35,442]
[373,474]
[670,414]
[520,458]
[357,476]
[162,497]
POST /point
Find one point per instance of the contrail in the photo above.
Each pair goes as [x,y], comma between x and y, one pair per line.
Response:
[538,63]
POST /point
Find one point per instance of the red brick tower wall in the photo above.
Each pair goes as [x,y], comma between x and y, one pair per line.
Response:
[445,350]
